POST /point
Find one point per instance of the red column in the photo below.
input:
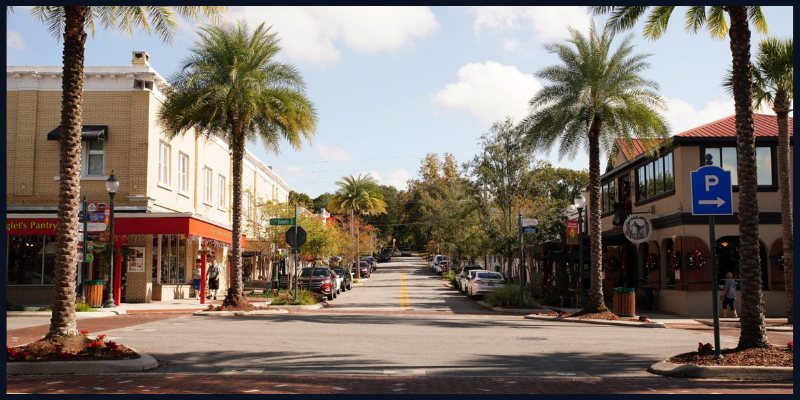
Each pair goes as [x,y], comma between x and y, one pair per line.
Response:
[117,277]
[203,278]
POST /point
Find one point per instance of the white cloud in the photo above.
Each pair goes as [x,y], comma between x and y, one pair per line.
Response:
[509,44]
[14,41]
[331,153]
[398,178]
[315,34]
[295,170]
[490,91]
[682,116]
[548,22]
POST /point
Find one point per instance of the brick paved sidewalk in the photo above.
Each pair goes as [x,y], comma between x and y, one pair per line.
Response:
[151,383]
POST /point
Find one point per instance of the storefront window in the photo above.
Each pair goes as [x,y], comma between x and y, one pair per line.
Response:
[173,259]
[30,260]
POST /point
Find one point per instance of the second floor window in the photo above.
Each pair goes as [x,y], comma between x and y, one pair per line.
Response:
[183,173]
[93,156]
[163,163]
[222,191]
[655,177]
[608,196]
[246,205]
[207,189]
[725,157]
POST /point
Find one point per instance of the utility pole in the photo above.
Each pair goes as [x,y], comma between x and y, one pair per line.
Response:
[521,263]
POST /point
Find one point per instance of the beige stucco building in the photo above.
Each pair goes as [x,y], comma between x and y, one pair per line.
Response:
[174,196]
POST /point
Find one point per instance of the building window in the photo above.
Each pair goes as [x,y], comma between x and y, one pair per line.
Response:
[163,163]
[92,158]
[173,259]
[31,260]
[222,191]
[183,172]
[725,157]
[246,199]
[207,182]
[608,196]
[655,178]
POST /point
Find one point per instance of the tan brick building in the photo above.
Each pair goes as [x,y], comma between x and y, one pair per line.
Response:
[174,196]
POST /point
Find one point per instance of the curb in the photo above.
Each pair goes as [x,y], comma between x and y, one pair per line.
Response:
[239,313]
[303,307]
[598,321]
[748,373]
[737,324]
[507,310]
[144,362]
[90,314]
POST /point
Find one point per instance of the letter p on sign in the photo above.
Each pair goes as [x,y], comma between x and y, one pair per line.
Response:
[711,180]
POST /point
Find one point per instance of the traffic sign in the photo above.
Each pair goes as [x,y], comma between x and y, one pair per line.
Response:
[299,240]
[530,229]
[712,193]
[281,221]
[530,222]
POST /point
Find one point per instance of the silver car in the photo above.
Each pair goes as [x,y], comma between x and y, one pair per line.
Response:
[481,282]
[461,277]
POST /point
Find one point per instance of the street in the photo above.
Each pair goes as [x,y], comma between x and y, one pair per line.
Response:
[394,332]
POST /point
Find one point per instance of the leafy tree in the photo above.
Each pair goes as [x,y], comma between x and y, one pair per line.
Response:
[232,87]
[595,96]
[71,22]
[301,200]
[386,223]
[754,330]
[321,202]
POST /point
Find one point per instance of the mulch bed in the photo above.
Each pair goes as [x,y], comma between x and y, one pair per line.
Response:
[70,348]
[772,356]
[605,315]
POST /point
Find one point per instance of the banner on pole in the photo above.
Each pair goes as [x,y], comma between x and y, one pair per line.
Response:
[572,231]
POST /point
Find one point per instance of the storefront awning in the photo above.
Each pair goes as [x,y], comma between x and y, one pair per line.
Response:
[89,133]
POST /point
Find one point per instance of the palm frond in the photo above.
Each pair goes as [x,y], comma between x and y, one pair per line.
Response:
[657,21]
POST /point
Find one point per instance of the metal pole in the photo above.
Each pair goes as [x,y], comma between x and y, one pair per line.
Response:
[580,255]
[521,263]
[295,254]
[713,241]
[84,269]
[109,302]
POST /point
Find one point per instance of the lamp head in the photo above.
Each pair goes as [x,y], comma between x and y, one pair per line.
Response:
[112,184]
[580,201]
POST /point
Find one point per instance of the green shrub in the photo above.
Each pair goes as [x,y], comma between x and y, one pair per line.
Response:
[304,298]
[14,307]
[450,276]
[83,307]
[508,296]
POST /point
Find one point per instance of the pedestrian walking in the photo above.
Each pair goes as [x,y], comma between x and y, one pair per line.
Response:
[213,279]
[728,296]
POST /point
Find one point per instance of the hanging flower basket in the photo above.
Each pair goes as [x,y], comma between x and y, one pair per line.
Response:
[696,259]
[651,262]
[674,260]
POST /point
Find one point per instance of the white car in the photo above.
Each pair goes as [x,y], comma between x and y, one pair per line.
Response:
[436,265]
[339,282]
[481,282]
[461,277]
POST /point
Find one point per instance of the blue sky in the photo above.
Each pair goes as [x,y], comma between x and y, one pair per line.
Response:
[392,84]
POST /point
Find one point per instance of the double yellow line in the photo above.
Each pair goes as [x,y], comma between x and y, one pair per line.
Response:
[404,302]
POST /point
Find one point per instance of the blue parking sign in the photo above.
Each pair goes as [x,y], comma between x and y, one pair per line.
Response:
[712,192]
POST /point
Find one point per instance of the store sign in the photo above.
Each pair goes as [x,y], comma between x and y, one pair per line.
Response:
[572,231]
[637,228]
[135,259]
[31,226]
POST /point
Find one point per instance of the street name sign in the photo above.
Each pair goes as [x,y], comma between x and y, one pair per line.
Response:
[529,229]
[281,221]
[530,222]
[712,193]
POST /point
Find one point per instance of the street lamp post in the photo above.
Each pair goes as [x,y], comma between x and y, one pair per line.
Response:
[112,185]
[579,203]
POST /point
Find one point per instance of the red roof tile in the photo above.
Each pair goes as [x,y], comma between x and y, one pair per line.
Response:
[765,126]
[635,148]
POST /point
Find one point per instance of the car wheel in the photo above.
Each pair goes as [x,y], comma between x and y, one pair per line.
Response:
[330,295]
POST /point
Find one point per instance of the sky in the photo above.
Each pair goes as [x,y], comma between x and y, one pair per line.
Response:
[391,84]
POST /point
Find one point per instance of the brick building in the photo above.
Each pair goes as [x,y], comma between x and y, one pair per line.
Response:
[174,198]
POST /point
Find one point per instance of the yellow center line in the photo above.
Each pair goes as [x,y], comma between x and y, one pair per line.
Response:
[404,302]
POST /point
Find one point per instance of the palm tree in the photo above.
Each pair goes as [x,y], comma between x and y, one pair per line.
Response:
[360,196]
[773,80]
[70,22]
[231,86]
[596,96]
[754,331]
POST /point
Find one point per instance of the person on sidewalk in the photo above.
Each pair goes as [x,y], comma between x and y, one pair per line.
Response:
[728,296]
[213,279]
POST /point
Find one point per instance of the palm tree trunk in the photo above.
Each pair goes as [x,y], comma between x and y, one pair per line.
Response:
[596,302]
[235,297]
[753,332]
[782,106]
[62,321]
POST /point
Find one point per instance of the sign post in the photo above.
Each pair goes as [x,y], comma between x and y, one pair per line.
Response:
[712,194]
[526,225]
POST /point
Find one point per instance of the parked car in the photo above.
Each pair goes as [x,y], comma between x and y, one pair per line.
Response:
[461,277]
[405,252]
[437,259]
[371,260]
[346,276]
[385,256]
[481,282]
[445,266]
[364,266]
[319,279]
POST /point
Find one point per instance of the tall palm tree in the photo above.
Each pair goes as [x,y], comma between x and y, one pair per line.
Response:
[773,81]
[595,96]
[359,196]
[71,22]
[754,330]
[232,87]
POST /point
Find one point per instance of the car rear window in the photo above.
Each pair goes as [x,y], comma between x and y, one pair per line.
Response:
[317,272]
[489,275]
[339,270]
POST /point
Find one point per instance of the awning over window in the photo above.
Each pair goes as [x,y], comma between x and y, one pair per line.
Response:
[89,133]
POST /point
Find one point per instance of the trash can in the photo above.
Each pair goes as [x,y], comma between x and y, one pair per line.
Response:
[94,292]
[625,301]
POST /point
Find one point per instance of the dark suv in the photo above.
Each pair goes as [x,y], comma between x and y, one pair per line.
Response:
[348,277]
[319,280]
[385,256]
[364,266]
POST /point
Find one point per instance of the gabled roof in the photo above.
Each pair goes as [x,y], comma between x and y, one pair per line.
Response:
[636,147]
[765,126]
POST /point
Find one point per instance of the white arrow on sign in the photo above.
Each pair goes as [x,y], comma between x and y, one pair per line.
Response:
[719,202]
